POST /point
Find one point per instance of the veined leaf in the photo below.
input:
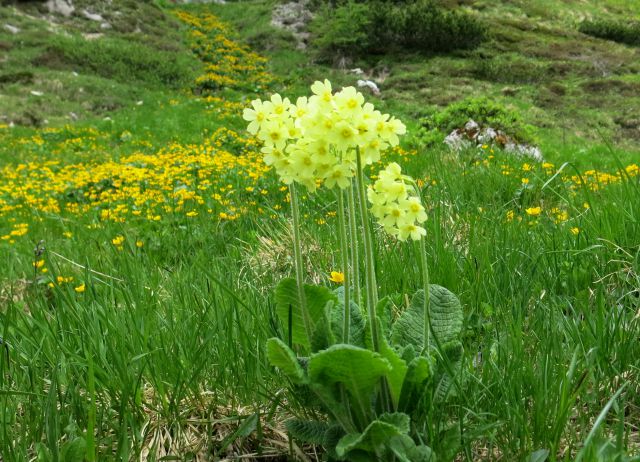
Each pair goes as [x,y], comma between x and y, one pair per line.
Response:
[375,438]
[419,370]
[356,324]
[308,431]
[281,356]
[286,296]
[357,369]
[446,316]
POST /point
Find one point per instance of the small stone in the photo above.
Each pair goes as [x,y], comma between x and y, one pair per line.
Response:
[12,29]
[63,7]
[92,16]
[36,93]
[370,85]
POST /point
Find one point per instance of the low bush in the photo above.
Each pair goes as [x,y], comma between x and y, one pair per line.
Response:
[120,60]
[627,32]
[345,30]
[486,112]
[354,28]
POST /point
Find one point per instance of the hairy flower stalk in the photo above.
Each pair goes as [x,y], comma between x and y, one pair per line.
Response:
[297,253]
[355,244]
[370,281]
[425,285]
[345,265]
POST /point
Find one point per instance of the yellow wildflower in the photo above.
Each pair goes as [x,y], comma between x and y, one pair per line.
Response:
[337,277]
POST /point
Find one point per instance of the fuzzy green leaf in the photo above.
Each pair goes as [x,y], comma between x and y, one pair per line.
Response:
[357,369]
[281,356]
[356,324]
[308,431]
[376,436]
[419,370]
[286,296]
[446,318]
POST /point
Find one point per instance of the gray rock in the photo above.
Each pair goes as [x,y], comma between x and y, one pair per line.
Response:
[293,17]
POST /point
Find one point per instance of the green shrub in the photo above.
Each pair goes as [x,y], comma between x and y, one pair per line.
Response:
[345,30]
[120,60]
[627,32]
[424,26]
[354,28]
[484,111]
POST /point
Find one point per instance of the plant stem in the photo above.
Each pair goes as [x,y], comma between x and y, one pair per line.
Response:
[345,267]
[355,244]
[297,253]
[372,295]
[425,285]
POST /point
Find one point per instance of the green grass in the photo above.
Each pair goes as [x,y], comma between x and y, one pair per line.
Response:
[165,346]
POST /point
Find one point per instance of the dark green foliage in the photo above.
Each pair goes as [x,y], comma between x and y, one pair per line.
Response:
[355,28]
[120,60]
[345,30]
[424,26]
[484,111]
[627,32]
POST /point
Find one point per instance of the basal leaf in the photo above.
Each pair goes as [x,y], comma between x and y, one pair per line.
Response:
[357,369]
[286,296]
[446,316]
[375,437]
[419,370]
[396,375]
[281,356]
[356,324]
[308,431]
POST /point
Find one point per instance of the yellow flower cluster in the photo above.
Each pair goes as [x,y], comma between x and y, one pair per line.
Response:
[222,176]
[228,64]
[315,140]
[399,212]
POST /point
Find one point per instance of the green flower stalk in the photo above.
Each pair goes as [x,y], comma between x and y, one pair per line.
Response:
[297,253]
[369,263]
[345,265]
[355,244]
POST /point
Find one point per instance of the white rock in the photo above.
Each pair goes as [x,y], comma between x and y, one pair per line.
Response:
[36,93]
[369,84]
[139,103]
[456,141]
[357,71]
[63,7]
[12,29]
[92,16]
[472,125]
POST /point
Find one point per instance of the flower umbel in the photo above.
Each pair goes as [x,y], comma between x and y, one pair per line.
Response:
[399,212]
[315,140]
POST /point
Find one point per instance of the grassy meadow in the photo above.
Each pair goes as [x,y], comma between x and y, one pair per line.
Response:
[141,239]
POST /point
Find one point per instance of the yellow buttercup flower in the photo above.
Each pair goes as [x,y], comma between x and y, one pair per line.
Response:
[534,211]
[81,288]
[336,277]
